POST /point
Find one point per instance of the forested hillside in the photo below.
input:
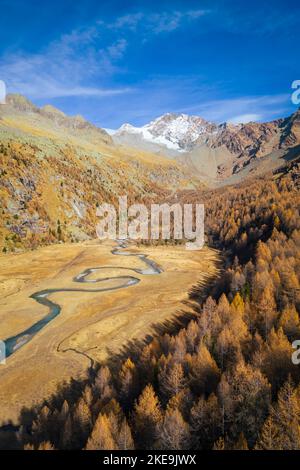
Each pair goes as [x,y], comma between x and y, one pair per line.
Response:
[55,170]
[224,381]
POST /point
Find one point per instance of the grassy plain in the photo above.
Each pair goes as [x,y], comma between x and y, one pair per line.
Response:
[90,325]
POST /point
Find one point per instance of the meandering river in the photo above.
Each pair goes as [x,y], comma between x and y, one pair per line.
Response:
[13,343]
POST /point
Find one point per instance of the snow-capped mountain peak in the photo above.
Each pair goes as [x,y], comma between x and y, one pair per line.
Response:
[212,150]
[175,131]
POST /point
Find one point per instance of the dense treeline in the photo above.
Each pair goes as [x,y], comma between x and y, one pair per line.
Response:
[224,381]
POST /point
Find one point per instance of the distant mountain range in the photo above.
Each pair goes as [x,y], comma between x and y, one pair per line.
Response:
[216,152]
[55,169]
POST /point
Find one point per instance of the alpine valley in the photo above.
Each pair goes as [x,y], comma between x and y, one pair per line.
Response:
[55,169]
[122,344]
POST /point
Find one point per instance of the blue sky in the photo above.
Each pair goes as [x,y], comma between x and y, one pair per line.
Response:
[131,61]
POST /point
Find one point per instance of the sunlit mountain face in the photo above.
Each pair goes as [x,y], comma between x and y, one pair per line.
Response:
[216,152]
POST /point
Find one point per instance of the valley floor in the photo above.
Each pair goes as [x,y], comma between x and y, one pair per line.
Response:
[91,326]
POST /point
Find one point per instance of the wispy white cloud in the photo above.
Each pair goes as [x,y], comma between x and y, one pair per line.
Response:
[74,63]
[241,109]
[84,63]
[243,118]
[169,21]
[263,21]
[156,23]
[116,50]
[65,68]
[193,95]
[129,21]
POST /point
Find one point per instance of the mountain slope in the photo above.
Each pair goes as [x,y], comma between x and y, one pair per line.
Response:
[55,170]
[215,152]
[175,132]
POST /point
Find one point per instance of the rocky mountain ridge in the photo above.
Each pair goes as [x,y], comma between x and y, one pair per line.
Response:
[19,104]
[214,151]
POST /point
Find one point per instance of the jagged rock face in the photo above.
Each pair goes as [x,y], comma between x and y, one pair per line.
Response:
[216,150]
[20,103]
[258,139]
[182,133]
[177,132]
[181,130]
[291,130]
[247,140]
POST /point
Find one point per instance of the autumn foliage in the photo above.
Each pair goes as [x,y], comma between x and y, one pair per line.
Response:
[226,379]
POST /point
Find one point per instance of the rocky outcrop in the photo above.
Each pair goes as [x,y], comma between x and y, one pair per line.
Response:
[16,104]
[215,150]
